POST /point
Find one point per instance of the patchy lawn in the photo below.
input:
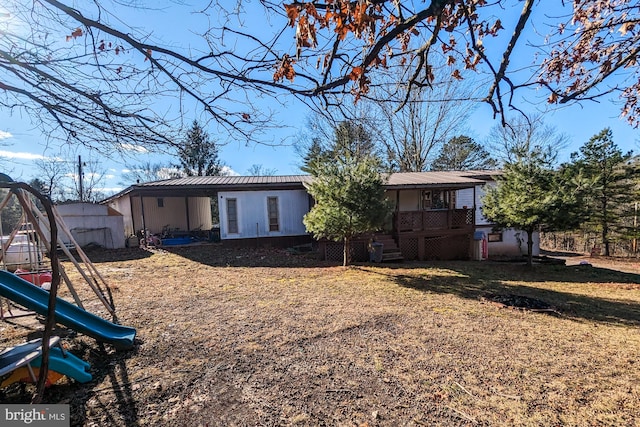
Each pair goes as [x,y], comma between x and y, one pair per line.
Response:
[259,337]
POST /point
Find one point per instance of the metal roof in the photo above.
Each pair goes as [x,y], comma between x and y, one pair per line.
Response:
[228,181]
[209,185]
[422,179]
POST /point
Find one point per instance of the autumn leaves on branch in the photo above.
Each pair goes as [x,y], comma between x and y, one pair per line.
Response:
[590,44]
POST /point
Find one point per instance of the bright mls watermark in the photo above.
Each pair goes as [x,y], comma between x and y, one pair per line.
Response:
[34,415]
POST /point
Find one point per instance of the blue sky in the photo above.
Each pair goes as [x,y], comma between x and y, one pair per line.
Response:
[21,141]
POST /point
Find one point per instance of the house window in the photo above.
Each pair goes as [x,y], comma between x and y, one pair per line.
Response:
[272,209]
[232,216]
[160,202]
[494,237]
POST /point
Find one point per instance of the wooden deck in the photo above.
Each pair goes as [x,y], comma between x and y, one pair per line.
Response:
[435,221]
[443,234]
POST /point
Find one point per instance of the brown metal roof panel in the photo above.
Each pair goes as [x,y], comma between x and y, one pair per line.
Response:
[430,178]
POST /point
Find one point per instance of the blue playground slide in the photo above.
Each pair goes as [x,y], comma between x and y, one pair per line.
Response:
[67,314]
[67,364]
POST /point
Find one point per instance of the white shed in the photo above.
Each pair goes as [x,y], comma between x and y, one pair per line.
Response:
[92,224]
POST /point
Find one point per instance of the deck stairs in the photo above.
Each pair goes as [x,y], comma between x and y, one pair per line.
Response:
[390,250]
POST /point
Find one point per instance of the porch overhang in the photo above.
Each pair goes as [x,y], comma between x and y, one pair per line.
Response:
[431,180]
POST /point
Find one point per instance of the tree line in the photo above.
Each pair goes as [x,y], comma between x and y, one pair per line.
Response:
[596,191]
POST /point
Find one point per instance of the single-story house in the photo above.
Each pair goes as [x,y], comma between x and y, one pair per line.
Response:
[437,215]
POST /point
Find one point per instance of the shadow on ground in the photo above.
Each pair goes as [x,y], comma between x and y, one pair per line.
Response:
[484,280]
[113,255]
[215,255]
[84,399]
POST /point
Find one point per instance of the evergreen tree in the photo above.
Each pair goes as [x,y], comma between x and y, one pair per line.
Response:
[463,153]
[199,154]
[611,193]
[314,157]
[531,196]
[40,186]
[350,139]
[348,190]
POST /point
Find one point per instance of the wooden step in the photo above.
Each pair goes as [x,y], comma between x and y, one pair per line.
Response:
[390,250]
[392,257]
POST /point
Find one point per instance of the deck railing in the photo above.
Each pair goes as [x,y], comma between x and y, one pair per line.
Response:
[437,219]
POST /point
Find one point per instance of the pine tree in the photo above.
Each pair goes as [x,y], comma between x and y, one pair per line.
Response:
[600,160]
[348,190]
[531,196]
[463,153]
[199,154]
[314,157]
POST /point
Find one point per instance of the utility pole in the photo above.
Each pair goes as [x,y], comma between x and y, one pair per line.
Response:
[80,178]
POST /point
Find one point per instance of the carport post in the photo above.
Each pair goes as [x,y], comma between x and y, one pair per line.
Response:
[144,223]
[186,204]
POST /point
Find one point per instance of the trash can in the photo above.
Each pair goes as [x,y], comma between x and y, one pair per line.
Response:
[375,252]
[214,235]
[480,247]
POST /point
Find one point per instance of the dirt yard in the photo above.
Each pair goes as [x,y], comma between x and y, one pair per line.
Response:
[264,338]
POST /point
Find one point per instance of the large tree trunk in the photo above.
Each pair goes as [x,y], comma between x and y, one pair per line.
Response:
[605,228]
[605,239]
[529,248]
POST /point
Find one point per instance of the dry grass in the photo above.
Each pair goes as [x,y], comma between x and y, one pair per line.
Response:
[268,338]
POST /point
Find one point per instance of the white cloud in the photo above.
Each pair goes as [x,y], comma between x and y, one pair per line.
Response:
[109,176]
[125,170]
[227,171]
[5,135]
[21,155]
[132,147]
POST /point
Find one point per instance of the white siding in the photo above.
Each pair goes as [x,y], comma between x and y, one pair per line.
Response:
[514,243]
[123,205]
[253,218]
[464,198]
[480,219]
[90,223]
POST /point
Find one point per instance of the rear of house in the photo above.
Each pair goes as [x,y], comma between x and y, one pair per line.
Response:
[436,215]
